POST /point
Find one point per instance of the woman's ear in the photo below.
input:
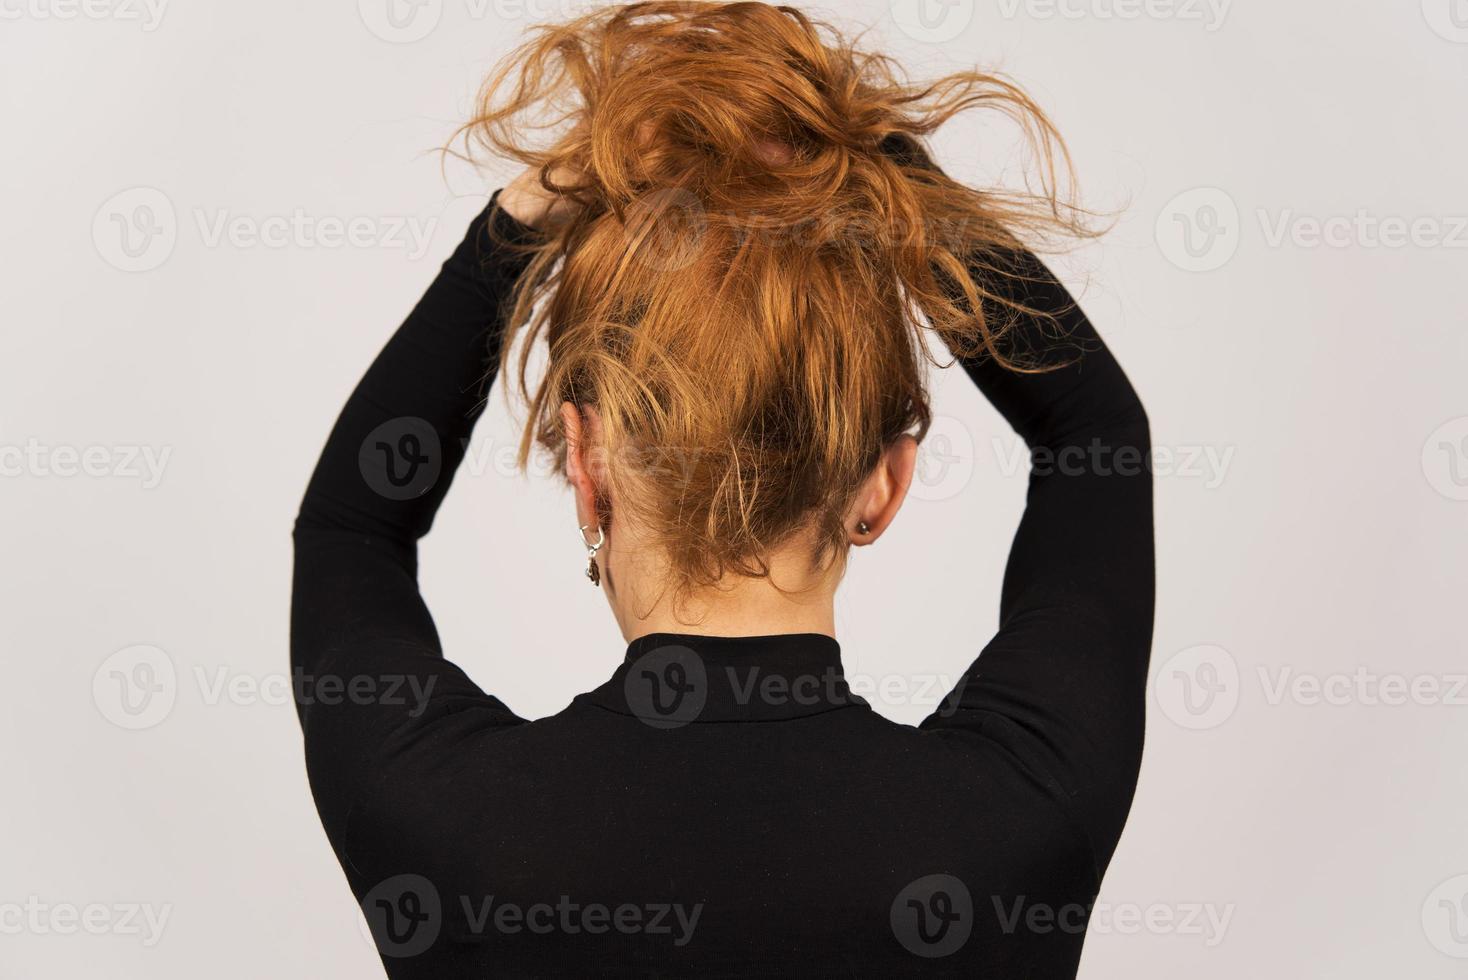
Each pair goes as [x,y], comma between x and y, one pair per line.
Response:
[579,471]
[883,491]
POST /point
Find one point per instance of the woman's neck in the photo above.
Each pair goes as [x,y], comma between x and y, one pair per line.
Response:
[793,598]
[742,616]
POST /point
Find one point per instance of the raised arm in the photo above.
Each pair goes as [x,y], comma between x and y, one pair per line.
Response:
[1063,681]
[364,651]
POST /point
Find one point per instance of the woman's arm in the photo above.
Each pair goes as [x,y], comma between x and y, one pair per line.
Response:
[364,652]
[1063,681]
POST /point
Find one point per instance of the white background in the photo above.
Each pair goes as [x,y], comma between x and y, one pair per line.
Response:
[1310,525]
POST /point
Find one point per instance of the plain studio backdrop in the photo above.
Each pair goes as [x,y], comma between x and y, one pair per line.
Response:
[216,213]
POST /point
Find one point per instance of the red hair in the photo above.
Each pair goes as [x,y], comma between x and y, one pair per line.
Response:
[749,326]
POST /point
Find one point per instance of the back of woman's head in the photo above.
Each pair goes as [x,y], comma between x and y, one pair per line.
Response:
[758,247]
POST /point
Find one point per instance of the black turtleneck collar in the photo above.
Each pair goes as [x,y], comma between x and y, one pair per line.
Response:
[673,679]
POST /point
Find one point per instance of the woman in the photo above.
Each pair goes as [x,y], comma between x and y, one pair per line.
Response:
[736,251]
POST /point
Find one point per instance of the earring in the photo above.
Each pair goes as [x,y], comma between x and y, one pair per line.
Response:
[592,572]
[863,528]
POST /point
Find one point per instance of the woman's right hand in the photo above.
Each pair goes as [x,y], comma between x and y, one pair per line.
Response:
[527,201]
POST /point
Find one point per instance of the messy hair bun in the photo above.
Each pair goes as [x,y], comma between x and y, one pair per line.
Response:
[757,249]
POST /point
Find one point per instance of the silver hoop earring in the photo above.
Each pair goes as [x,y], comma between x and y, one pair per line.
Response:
[862,528]
[592,572]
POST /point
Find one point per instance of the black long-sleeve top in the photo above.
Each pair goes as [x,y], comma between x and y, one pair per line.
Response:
[721,806]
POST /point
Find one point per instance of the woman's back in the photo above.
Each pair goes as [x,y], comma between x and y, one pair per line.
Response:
[722,804]
[760,820]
